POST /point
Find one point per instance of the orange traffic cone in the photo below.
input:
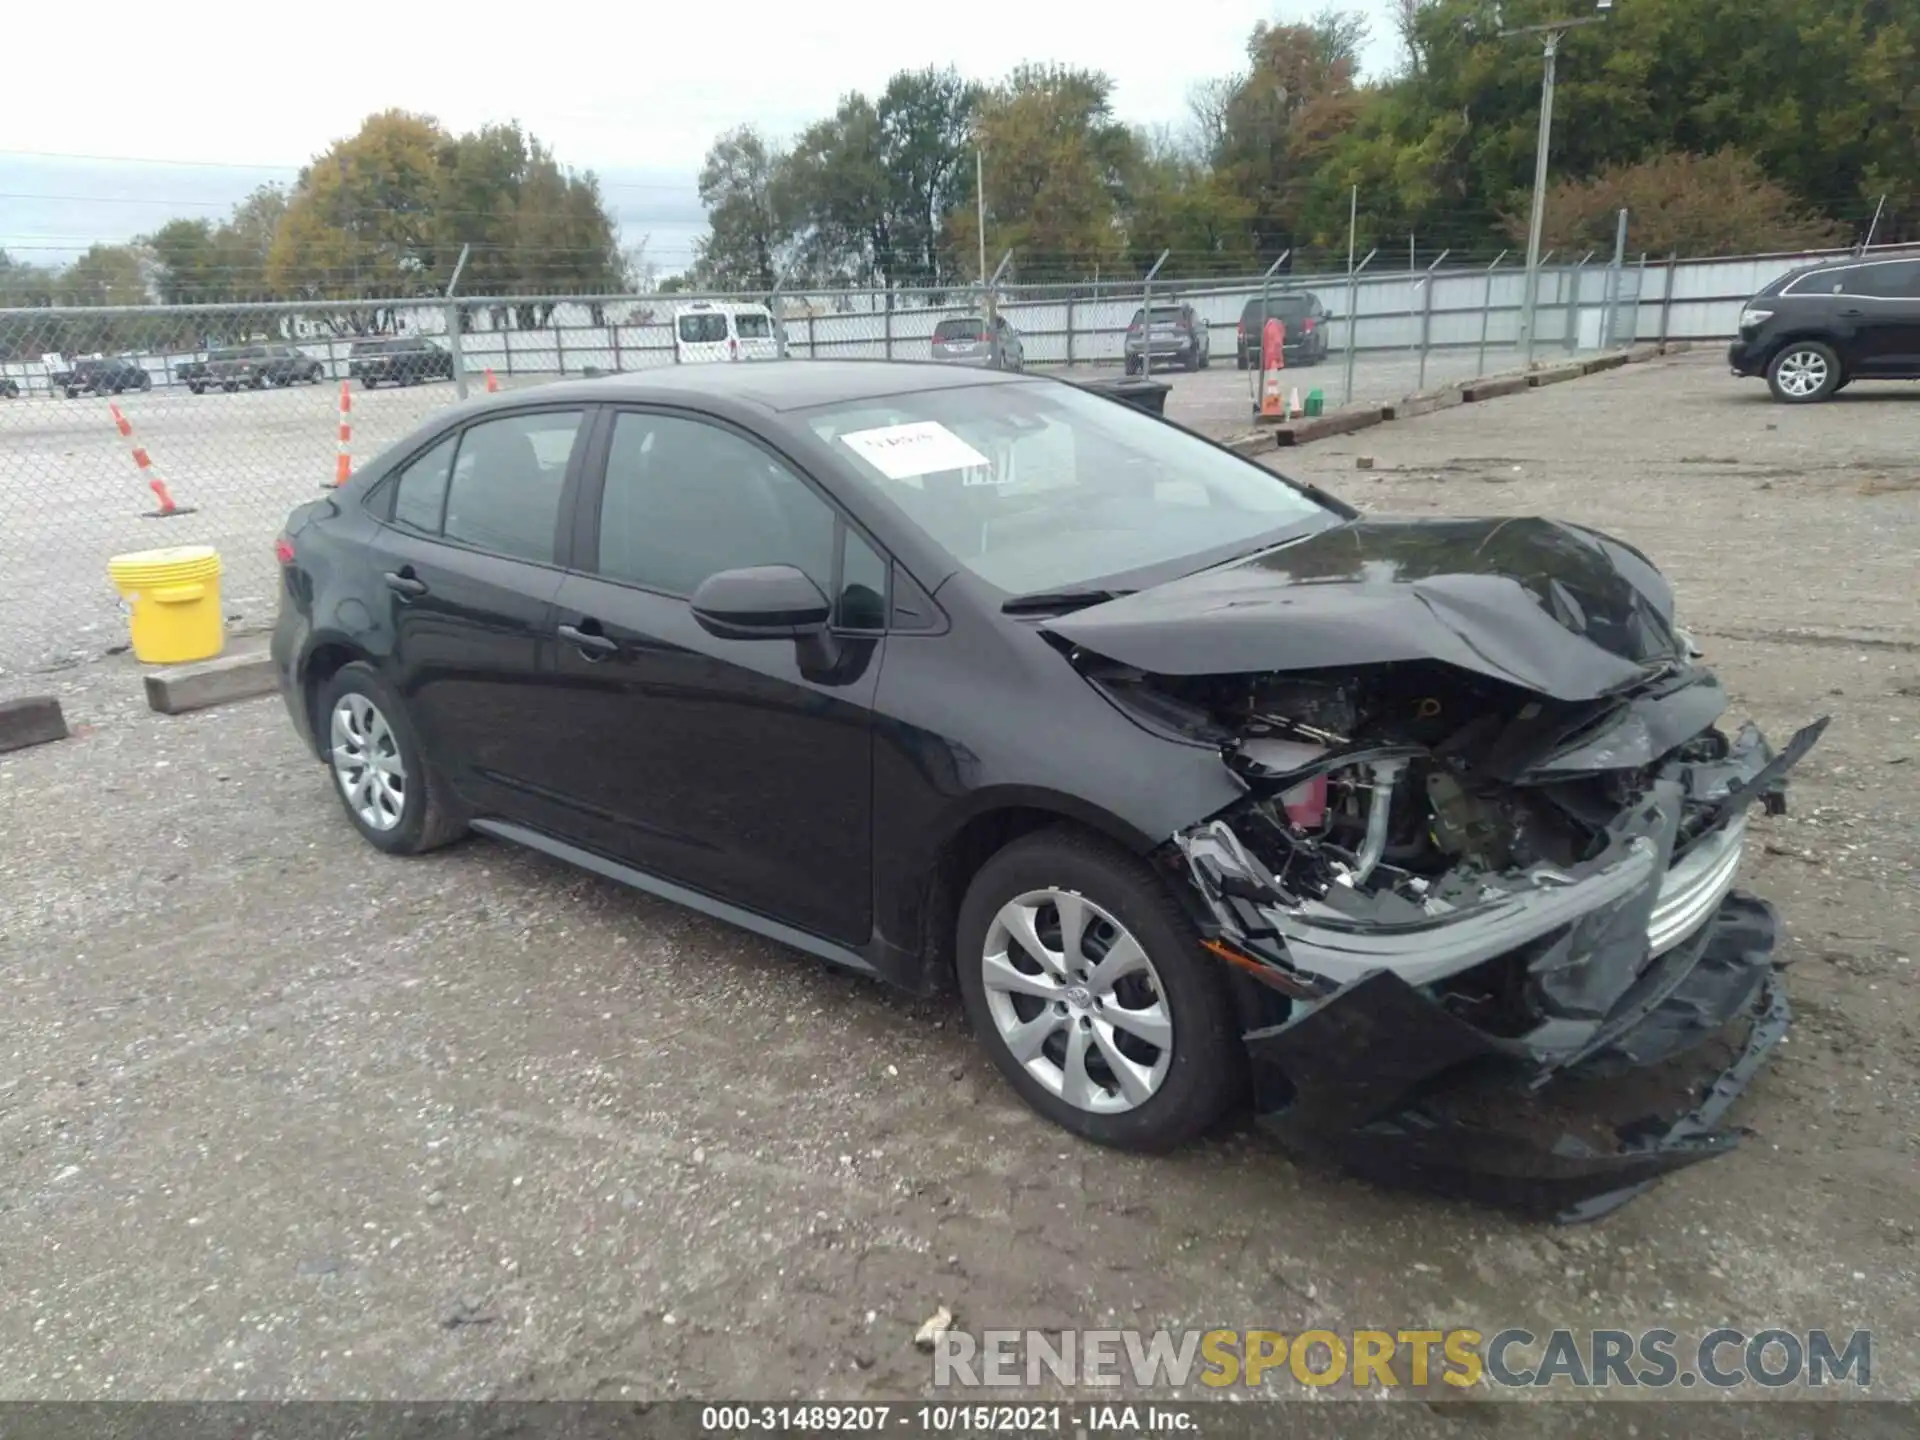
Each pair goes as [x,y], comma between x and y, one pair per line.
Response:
[493,385]
[162,497]
[1270,401]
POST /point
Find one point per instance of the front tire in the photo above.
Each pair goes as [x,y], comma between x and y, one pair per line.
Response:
[1805,372]
[1086,984]
[383,780]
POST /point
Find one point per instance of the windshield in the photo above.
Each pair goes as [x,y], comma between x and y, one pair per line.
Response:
[1162,315]
[968,327]
[1281,307]
[1046,487]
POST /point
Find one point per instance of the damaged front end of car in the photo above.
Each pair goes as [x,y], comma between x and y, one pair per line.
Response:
[1465,878]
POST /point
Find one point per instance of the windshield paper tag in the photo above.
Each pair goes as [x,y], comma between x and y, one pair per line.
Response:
[926,447]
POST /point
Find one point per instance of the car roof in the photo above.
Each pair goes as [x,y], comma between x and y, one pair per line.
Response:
[774,385]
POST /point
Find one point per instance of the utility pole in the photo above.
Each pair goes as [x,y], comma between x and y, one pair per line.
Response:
[980,223]
[1552,31]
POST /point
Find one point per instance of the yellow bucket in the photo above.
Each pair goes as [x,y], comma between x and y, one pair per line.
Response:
[174,599]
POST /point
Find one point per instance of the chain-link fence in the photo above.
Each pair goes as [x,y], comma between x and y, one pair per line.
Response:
[230,416]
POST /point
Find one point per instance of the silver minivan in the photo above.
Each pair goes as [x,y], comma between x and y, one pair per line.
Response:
[972,340]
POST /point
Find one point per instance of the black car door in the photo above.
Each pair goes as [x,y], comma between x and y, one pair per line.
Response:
[1882,303]
[740,768]
[468,563]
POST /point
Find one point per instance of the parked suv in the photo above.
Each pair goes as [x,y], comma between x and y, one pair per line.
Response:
[398,362]
[971,340]
[103,377]
[1178,335]
[1305,319]
[256,366]
[1814,331]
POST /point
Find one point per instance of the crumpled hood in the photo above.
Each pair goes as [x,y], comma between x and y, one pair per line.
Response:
[1554,608]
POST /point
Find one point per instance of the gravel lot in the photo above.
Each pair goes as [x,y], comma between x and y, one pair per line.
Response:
[70,496]
[283,1117]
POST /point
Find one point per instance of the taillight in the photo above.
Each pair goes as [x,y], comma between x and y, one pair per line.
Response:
[283,550]
[1308,326]
[983,337]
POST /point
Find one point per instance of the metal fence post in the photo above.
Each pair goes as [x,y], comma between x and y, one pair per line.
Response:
[1570,336]
[1352,307]
[560,348]
[1069,327]
[812,351]
[619,362]
[1426,317]
[506,343]
[886,334]
[453,326]
[1639,292]
[1614,273]
[1486,314]
[1666,294]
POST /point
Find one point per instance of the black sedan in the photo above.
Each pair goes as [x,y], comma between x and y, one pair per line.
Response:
[1187,774]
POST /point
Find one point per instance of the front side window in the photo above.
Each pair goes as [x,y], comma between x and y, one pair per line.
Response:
[1045,487]
[685,499]
[504,493]
[753,327]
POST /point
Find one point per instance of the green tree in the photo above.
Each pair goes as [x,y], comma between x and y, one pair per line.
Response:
[1721,204]
[106,275]
[926,123]
[748,227]
[187,263]
[1177,203]
[1056,163]
[1284,120]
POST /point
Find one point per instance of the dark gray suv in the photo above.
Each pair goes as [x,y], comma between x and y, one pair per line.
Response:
[1812,332]
[1176,334]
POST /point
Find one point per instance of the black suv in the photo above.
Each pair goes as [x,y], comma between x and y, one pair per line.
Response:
[398,362]
[103,377]
[1305,319]
[1177,334]
[1814,331]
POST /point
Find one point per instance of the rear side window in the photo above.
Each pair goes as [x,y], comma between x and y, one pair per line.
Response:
[753,327]
[1889,280]
[420,494]
[504,494]
[703,329]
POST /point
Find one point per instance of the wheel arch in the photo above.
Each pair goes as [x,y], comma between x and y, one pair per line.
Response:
[972,835]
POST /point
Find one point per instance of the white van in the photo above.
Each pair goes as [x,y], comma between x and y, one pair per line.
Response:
[709,330]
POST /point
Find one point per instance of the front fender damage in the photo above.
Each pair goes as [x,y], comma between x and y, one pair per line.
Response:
[1417,1005]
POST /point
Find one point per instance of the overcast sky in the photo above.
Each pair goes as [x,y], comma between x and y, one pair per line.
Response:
[232,95]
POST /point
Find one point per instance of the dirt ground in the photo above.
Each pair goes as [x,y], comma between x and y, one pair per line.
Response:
[282,1117]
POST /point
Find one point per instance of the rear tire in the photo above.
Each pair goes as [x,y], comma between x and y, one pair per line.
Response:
[382,779]
[1069,1063]
[1805,372]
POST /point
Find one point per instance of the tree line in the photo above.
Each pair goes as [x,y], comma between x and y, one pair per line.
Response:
[1723,126]
[383,213]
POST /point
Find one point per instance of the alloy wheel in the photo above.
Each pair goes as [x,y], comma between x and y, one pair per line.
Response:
[367,763]
[1076,1001]
[1802,373]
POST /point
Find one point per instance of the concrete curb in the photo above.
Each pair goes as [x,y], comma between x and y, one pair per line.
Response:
[1412,406]
[30,720]
[1491,388]
[1466,392]
[1556,375]
[180,688]
[1319,427]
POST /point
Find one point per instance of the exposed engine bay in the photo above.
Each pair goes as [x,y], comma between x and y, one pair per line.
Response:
[1451,869]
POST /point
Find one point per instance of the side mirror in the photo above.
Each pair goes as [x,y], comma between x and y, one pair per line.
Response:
[760,602]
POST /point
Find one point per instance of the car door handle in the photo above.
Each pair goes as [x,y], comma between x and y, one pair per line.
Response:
[1855,313]
[402,583]
[594,646]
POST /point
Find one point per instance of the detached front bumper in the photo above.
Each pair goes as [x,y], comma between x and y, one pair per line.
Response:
[1359,1078]
[1627,961]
